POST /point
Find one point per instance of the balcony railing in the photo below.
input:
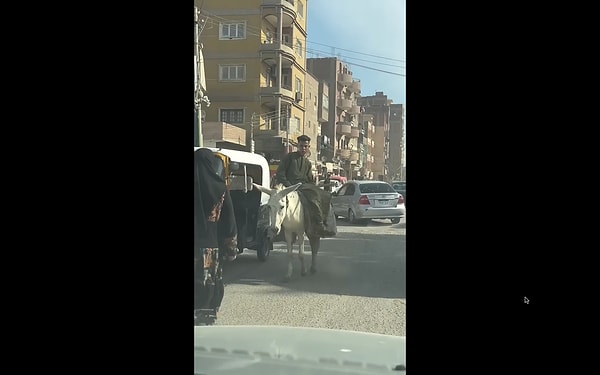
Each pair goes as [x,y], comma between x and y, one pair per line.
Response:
[355,86]
[344,103]
[276,91]
[354,110]
[344,128]
[343,153]
[345,79]
[274,46]
[287,4]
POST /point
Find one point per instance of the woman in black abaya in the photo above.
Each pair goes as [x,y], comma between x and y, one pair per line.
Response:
[215,234]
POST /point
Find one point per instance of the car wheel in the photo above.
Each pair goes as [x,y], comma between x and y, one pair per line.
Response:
[351,217]
[395,220]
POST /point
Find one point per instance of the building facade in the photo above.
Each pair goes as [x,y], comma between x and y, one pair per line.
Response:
[366,143]
[379,106]
[312,124]
[255,66]
[341,128]
[397,142]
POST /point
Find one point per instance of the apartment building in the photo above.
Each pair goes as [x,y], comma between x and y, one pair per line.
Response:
[379,106]
[339,143]
[255,67]
[396,141]
[312,123]
[366,144]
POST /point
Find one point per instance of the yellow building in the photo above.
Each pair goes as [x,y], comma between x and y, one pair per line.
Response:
[255,66]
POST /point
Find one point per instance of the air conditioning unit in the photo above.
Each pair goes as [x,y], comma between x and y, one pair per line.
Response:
[298,96]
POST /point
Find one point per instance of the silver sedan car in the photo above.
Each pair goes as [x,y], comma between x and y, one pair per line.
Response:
[365,200]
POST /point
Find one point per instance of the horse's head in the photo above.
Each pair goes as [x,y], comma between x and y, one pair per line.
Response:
[277,206]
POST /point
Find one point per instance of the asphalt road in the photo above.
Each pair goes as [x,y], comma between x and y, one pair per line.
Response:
[360,284]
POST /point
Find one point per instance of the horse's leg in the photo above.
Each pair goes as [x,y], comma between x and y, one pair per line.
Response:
[288,240]
[301,253]
[315,243]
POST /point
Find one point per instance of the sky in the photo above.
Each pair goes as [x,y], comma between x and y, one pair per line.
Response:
[367,33]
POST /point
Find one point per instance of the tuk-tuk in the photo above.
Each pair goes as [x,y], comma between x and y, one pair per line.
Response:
[241,170]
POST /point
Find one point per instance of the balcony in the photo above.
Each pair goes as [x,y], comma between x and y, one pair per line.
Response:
[266,132]
[354,132]
[344,128]
[269,53]
[270,95]
[270,11]
[355,86]
[354,110]
[345,79]
[354,155]
[343,154]
[344,103]
[223,132]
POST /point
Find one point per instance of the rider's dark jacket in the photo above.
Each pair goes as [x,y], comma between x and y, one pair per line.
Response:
[294,168]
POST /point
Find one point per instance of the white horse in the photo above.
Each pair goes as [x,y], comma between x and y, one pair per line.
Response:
[285,209]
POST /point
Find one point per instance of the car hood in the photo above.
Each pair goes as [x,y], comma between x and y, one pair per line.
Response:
[295,350]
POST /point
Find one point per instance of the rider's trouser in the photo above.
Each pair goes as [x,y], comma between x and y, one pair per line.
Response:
[319,199]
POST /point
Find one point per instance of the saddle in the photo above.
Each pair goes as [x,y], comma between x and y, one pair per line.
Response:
[329,222]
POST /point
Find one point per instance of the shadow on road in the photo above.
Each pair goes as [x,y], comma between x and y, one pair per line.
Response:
[374,265]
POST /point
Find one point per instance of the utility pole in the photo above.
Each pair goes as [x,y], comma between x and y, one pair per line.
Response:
[252,122]
[198,94]
[287,128]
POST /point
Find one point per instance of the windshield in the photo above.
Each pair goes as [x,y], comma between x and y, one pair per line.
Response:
[376,188]
[314,256]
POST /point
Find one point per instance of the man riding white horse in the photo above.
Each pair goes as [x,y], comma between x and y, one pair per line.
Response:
[296,168]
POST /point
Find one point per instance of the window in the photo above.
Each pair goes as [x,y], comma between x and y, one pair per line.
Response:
[235,30]
[297,120]
[286,40]
[298,47]
[376,188]
[285,81]
[325,102]
[298,85]
[350,190]
[232,72]
[232,116]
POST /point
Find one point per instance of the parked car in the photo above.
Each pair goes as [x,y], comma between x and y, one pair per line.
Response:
[334,185]
[400,187]
[366,199]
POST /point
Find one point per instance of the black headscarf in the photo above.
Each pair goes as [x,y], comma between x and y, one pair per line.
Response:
[212,186]
[211,200]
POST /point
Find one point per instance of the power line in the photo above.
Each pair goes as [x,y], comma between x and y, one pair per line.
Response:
[360,53]
[355,58]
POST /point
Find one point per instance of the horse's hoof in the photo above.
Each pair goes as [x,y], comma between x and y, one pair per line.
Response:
[313,270]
